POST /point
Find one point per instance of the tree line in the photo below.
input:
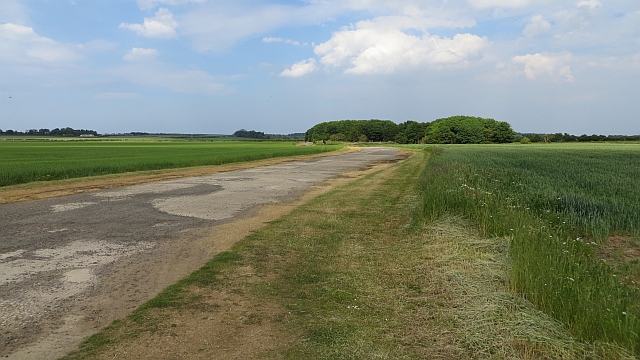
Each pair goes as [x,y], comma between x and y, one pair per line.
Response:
[560,137]
[67,131]
[251,134]
[451,130]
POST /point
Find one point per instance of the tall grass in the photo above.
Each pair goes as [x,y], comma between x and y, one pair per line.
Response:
[556,203]
[27,161]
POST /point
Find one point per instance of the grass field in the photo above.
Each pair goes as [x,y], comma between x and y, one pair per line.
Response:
[354,274]
[560,205]
[515,251]
[27,161]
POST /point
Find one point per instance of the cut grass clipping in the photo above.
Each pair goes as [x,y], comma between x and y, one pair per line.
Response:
[353,274]
[26,161]
[558,204]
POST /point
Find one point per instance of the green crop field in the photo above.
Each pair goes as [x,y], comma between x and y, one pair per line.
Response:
[27,161]
[559,205]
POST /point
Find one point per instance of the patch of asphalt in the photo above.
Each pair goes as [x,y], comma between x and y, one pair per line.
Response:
[71,265]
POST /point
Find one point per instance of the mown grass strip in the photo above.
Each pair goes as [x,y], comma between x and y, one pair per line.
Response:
[351,275]
[23,161]
[557,204]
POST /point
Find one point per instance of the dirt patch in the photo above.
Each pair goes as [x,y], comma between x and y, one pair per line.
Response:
[622,253]
[619,249]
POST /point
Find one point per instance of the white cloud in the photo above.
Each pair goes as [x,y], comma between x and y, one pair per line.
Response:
[483,4]
[140,54]
[279,39]
[150,4]
[301,68]
[21,44]
[161,26]
[555,66]
[272,39]
[591,4]
[536,26]
[218,25]
[374,47]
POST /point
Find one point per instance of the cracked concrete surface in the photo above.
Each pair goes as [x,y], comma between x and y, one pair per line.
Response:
[71,265]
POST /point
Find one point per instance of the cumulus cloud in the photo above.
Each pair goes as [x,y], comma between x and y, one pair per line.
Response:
[555,66]
[536,26]
[140,54]
[21,44]
[161,26]
[301,68]
[218,24]
[150,4]
[375,48]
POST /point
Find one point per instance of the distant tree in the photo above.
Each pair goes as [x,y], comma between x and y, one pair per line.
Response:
[453,130]
[411,132]
[468,130]
[401,138]
[502,132]
[338,137]
[557,137]
[535,137]
[374,130]
[250,134]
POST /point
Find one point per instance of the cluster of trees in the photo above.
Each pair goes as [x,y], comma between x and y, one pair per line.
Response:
[560,137]
[251,134]
[55,132]
[469,130]
[353,130]
[451,130]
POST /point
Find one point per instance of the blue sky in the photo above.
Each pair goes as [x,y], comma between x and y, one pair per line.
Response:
[208,66]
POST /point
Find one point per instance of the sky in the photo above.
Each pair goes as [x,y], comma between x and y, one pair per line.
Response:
[211,66]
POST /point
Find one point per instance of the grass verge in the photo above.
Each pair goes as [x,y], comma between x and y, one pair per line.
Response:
[557,205]
[351,275]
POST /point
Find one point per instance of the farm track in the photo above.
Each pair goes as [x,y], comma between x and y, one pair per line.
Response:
[50,189]
[72,264]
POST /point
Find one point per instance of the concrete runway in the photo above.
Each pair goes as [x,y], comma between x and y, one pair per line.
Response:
[71,265]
